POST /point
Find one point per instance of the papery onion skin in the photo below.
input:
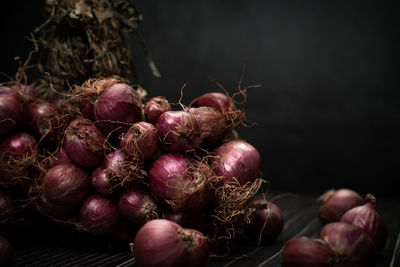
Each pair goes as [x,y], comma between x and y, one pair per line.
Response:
[45,120]
[268,219]
[99,215]
[351,245]
[84,143]
[306,252]
[17,153]
[368,220]
[141,141]
[138,206]
[179,131]
[65,184]
[238,160]
[6,251]
[334,203]
[213,125]
[164,243]
[155,107]
[118,106]
[177,181]
[219,101]
[11,110]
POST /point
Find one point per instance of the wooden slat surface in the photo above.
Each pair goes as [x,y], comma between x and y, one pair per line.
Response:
[300,219]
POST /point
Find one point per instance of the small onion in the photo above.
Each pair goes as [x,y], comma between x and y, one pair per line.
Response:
[155,107]
[99,215]
[352,246]
[219,101]
[238,160]
[18,153]
[334,203]
[175,180]
[213,125]
[164,243]
[179,131]
[367,219]
[141,141]
[59,157]
[138,206]
[84,143]
[27,92]
[118,106]
[45,120]
[306,252]
[6,251]
[268,219]
[11,110]
[65,184]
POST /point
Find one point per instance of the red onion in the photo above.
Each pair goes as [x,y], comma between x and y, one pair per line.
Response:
[45,120]
[238,160]
[115,173]
[306,252]
[57,211]
[87,108]
[138,206]
[57,101]
[118,106]
[65,184]
[18,155]
[176,180]
[352,246]
[155,107]
[99,215]
[141,141]
[11,110]
[179,131]
[367,219]
[59,158]
[219,101]
[213,125]
[193,220]
[164,243]
[334,203]
[6,251]
[268,219]
[84,143]
[27,92]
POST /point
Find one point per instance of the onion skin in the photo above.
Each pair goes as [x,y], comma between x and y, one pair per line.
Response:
[238,160]
[213,125]
[155,107]
[6,252]
[306,252]
[219,101]
[179,131]
[99,215]
[268,219]
[368,220]
[86,106]
[334,203]
[174,180]
[141,141]
[166,244]
[45,121]
[17,153]
[84,143]
[351,245]
[117,106]
[11,110]
[138,206]
[65,184]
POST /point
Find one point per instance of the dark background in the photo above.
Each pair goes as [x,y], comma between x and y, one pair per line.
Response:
[328,111]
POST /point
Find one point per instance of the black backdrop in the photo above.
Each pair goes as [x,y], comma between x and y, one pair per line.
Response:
[328,111]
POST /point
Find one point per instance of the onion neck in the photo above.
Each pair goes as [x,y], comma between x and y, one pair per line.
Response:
[186,236]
